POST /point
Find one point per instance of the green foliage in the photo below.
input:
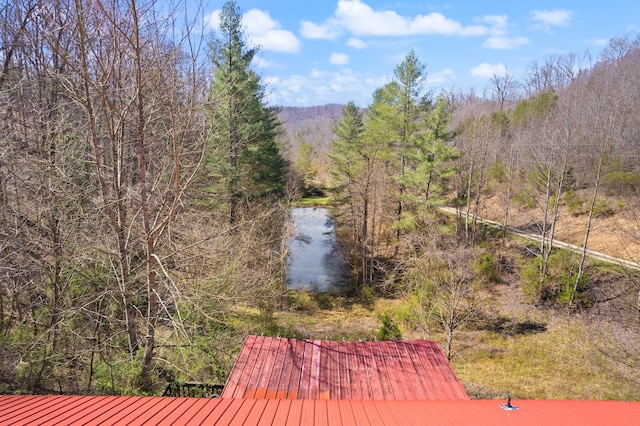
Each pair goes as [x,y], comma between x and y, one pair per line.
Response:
[268,169]
[558,284]
[501,119]
[573,202]
[533,109]
[244,160]
[406,223]
[621,181]
[539,177]
[487,270]
[367,295]
[530,277]
[301,300]
[499,171]
[431,155]
[312,201]
[602,208]
[349,153]
[304,165]
[388,330]
[112,376]
[524,198]
[541,180]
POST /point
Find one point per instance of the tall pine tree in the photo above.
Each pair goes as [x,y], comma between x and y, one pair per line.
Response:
[409,99]
[431,155]
[244,162]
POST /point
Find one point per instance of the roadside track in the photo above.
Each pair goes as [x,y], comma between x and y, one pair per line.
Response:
[535,237]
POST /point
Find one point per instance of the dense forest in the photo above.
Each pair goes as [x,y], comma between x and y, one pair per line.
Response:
[145,186]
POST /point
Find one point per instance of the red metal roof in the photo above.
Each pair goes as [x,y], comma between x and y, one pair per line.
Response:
[137,411]
[280,368]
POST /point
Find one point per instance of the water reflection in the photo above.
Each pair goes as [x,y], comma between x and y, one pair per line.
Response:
[315,261]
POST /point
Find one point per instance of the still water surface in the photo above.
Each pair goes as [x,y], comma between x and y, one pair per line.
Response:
[315,262]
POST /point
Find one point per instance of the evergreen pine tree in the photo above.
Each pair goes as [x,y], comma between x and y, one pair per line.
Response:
[244,160]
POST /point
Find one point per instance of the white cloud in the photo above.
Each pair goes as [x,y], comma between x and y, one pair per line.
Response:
[319,74]
[261,30]
[498,29]
[267,33]
[356,43]
[271,80]
[327,31]
[339,59]
[260,62]
[436,23]
[442,77]
[551,18]
[505,42]
[497,22]
[321,86]
[598,42]
[212,20]
[486,70]
[360,19]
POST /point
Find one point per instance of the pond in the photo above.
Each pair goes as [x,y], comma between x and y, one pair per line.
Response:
[315,260]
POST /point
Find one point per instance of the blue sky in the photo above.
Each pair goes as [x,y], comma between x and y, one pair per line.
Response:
[332,51]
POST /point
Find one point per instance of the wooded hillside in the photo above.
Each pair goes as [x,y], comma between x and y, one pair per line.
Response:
[311,126]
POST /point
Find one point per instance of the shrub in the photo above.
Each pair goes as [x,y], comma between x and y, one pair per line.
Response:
[621,181]
[602,208]
[530,279]
[524,199]
[302,300]
[487,270]
[499,171]
[389,330]
[573,202]
[558,284]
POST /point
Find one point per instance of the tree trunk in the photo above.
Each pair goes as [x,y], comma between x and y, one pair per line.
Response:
[152,291]
[544,249]
[117,218]
[505,222]
[468,209]
[583,254]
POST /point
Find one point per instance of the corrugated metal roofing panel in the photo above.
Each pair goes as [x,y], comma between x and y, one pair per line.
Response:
[277,371]
[293,386]
[344,387]
[386,386]
[325,379]
[269,413]
[244,410]
[385,412]
[269,367]
[282,412]
[294,416]
[333,412]
[258,357]
[352,370]
[92,408]
[305,370]
[87,410]
[137,411]
[390,358]
[188,410]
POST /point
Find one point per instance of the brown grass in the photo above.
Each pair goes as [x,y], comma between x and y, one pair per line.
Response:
[615,235]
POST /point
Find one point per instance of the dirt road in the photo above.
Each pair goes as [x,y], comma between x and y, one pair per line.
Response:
[536,237]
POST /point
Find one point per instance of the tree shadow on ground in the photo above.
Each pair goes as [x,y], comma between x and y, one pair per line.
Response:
[508,327]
